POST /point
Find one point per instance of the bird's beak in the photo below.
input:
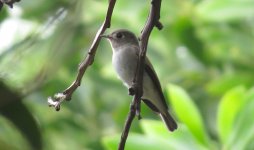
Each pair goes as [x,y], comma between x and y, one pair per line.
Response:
[105,36]
[109,37]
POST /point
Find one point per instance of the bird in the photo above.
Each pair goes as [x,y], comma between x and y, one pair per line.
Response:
[125,47]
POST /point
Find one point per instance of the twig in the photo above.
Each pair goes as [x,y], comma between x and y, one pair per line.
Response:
[7,2]
[67,94]
[152,21]
[137,87]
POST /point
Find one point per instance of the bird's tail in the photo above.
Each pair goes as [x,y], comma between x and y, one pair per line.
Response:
[169,121]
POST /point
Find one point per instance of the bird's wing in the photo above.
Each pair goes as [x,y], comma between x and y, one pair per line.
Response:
[152,74]
[148,67]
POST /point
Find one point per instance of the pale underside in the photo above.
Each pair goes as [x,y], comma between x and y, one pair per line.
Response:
[125,63]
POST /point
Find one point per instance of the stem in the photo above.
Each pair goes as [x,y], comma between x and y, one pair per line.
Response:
[67,94]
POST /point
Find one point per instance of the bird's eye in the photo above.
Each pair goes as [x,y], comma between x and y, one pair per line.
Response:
[119,35]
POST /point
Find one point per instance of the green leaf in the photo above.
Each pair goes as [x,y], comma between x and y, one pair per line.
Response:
[10,133]
[228,109]
[181,138]
[226,82]
[142,142]
[156,128]
[13,109]
[136,142]
[156,137]
[242,135]
[226,10]
[6,146]
[3,14]
[187,112]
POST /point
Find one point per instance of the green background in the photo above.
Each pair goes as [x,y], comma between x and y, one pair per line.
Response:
[203,57]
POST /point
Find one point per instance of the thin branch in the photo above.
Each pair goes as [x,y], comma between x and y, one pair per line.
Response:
[152,21]
[137,87]
[7,2]
[67,94]
[127,125]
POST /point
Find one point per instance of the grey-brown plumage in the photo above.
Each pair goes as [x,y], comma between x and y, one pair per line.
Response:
[125,57]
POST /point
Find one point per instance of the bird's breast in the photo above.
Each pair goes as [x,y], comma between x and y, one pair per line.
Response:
[125,63]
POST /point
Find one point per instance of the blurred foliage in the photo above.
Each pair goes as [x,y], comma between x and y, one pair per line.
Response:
[203,57]
[237,135]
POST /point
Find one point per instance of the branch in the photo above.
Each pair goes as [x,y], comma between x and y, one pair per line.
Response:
[7,2]
[67,94]
[137,87]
